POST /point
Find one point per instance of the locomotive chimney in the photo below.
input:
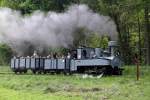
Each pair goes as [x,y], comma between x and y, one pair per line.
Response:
[112,45]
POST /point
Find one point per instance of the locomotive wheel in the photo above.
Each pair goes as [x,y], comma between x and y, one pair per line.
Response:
[116,71]
[108,71]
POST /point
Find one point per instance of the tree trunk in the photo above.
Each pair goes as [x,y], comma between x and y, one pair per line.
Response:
[139,31]
[123,39]
[147,34]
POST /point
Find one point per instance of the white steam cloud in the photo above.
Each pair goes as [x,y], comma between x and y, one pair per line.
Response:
[52,29]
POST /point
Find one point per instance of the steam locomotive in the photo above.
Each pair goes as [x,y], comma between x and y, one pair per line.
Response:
[82,60]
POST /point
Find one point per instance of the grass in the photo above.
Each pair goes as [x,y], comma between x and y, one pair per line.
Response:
[60,87]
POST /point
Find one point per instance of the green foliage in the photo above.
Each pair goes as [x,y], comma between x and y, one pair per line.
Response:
[5,54]
[28,6]
[93,4]
[59,51]
[129,18]
[94,40]
[79,37]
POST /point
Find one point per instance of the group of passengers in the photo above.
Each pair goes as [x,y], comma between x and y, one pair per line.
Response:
[52,55]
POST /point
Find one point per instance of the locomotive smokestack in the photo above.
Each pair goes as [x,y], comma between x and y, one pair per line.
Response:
[112,45]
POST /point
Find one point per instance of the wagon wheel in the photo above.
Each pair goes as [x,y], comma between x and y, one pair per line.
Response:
[67,72]
[20,72]
[57,72]
[15,72]
[39,72]
[33,71]
[25,71]
[70,73]
[45,72]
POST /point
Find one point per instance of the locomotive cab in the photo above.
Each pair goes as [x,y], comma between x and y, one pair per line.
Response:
[85,53]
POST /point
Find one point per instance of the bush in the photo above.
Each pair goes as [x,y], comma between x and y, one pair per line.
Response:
[5,54]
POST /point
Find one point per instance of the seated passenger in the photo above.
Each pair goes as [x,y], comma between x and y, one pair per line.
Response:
[49,56]
[75,54]
[55,55]
[62,56]
[68,55]
[92,54]
[35,54]
[84,53]
[14,57]
[28,56]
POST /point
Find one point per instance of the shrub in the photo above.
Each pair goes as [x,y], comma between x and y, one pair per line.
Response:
[5,54]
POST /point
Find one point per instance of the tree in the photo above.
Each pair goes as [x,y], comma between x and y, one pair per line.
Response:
[5,54]
[130,16]
[125,14]
[28,6]
[147,29]
[94,40]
